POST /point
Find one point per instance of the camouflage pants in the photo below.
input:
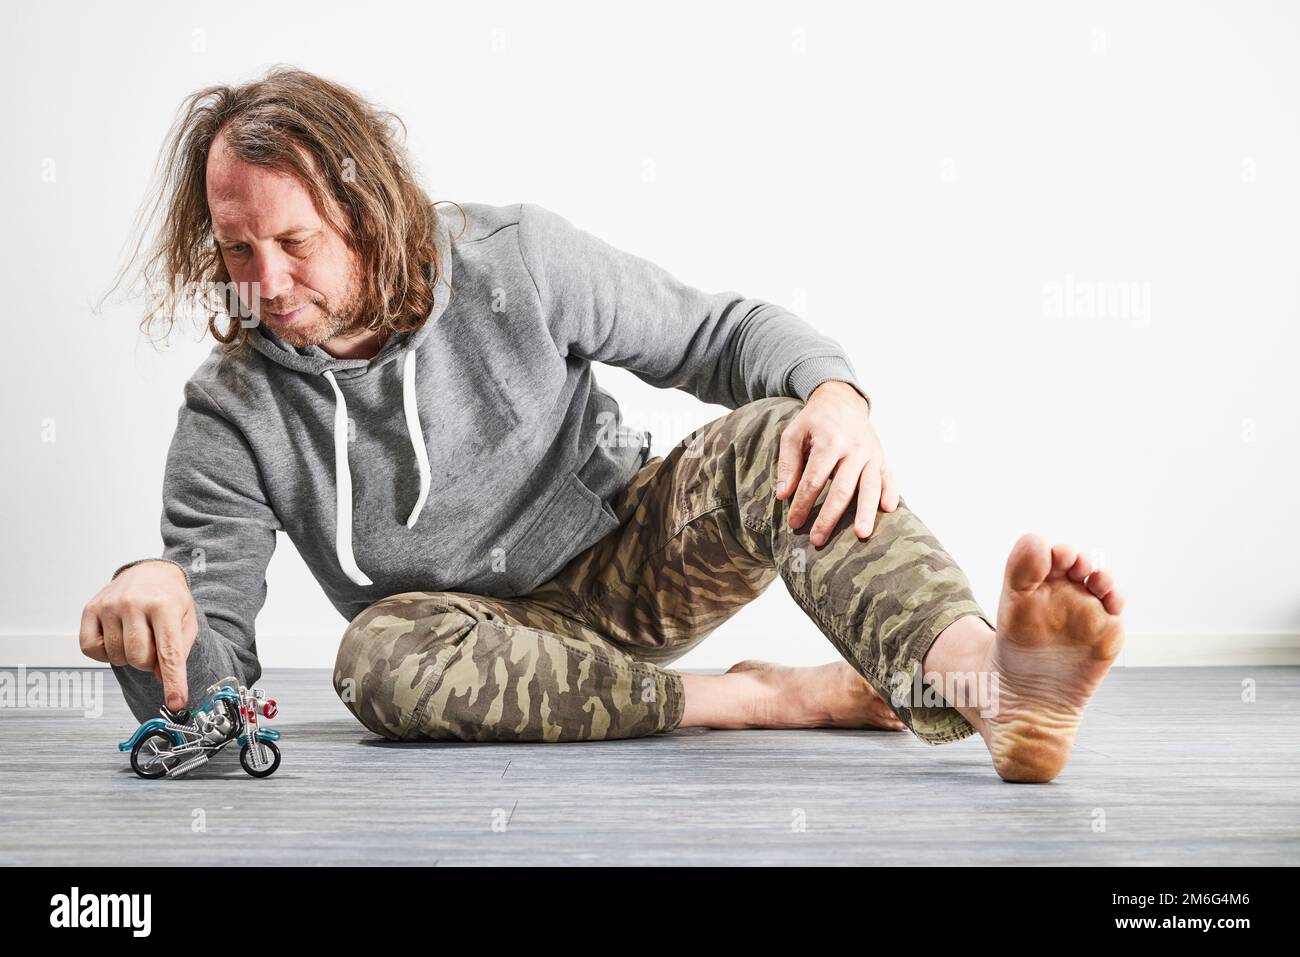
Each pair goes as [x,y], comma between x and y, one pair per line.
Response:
[702,533]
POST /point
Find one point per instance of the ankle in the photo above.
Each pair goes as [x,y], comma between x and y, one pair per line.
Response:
[956,665]
[735,700]
[763,702]
[961,648]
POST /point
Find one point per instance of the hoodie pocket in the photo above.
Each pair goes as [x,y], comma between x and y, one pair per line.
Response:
[572,519]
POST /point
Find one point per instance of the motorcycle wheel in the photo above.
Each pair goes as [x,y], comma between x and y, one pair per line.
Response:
[149,757]
[266,772]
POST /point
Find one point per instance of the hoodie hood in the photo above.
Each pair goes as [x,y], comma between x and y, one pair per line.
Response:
[400,348]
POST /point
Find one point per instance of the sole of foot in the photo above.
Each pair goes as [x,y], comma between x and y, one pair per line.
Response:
[1059,631]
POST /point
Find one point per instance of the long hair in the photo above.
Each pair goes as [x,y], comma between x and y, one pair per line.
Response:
[344,151]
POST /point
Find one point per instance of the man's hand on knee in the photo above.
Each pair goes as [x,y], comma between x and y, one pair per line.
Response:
[833,434]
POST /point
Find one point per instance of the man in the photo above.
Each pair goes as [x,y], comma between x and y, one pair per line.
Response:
[414,406]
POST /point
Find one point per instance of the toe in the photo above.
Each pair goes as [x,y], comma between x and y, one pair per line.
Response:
[1029,563]
[1102,586]
[1081,568]
[889,720]
[1063,558]
[1100,583]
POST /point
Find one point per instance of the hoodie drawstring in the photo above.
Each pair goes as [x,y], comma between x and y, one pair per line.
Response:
[343,476]
[417,437]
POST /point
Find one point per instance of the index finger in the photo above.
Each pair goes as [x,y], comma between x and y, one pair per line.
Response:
[171,657]
[789,463]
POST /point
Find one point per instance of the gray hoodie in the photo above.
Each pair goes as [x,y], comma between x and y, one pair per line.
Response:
[475,454]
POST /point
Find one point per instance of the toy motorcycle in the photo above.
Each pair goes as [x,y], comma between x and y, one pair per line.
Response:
[182,740]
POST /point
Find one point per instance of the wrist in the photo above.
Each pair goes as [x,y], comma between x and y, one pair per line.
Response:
[840,385]
[831,384]
[165,561]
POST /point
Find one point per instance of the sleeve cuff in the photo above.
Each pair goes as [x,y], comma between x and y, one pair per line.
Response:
[810,373]
[138,561]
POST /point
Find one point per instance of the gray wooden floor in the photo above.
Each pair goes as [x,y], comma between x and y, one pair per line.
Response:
[1171,768]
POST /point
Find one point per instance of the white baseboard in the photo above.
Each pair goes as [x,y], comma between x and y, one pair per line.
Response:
[63,651]
[317,651]
[1167,650]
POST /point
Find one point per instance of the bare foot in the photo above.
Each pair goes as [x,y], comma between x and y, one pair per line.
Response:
[833,695]
[1058,632]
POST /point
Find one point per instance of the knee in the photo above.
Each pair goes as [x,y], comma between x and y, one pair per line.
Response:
[754,426]
[777,409]
[752,434]
[389,656]
[764,420]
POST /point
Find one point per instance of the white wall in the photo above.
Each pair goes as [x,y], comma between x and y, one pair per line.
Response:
[915,180]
